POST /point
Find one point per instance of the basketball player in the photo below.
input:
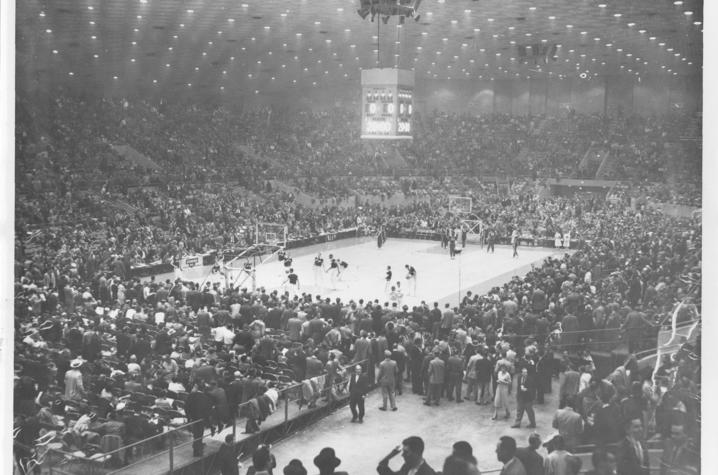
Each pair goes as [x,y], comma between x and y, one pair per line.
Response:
[287,262]
[387,285]
[515,242]
[452,246]
[490,240]
[463,237]
[318,268]
[343,266]
[293,283]
[411,279]
[333,271]
[380,237]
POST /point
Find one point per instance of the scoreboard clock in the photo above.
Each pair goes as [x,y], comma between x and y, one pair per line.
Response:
[387,103]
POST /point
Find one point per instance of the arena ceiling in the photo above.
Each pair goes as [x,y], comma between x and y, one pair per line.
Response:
[258,45]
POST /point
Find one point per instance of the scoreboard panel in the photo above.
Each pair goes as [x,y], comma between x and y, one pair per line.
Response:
[387,104]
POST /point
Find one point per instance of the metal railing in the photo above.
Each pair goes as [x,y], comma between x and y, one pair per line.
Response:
[173,446]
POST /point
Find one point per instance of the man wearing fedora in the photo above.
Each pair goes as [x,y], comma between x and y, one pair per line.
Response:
[327,461]
[74,388]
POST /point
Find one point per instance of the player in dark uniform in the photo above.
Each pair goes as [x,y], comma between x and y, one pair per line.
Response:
[292,282]
[318,268]
[490,237]
[387,285]
[380,237]
[411,278]
[333,271]
[452,245]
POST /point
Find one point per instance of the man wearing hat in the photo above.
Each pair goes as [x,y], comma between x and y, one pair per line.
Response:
[327,461]
[388,372]
[74,388]
[533,461]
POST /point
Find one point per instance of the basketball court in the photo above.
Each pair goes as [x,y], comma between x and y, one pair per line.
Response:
[439,278]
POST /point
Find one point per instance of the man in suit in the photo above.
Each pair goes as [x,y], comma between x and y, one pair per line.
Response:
[569,424]
[388,372]
[569,386]
[198,408]
[358,387]
[632,453]
[455,375]
[533,461]
[506,454]
[436,374]
[525,394]
[412,451]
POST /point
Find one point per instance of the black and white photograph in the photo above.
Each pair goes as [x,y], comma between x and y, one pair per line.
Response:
[410,237]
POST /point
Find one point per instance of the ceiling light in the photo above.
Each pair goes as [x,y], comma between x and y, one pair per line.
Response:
[55,51]
[688,13]
[697,23]
[631,24]
[454,22]
[532,8]
[42,14]
[95,55]
[114,77]
[678,2]
[190,11]
[617,15]
[490,20]
[601,5]
[652,38]
[569,26]
[71,73]
[231,20]
[642,31]
[552,17]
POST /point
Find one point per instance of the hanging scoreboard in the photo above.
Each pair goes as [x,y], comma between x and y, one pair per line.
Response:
[387,103]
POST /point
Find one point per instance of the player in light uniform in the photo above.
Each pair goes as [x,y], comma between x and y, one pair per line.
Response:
[411,279]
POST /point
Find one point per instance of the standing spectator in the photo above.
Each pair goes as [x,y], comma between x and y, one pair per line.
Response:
[74,388]
[386,377]
[532,460]
[506,454]
[327,461]
[559,461]
[525,393]
[455,375]
[463,451]
[412,451]
[295,467]
[501,397]
[569,424]
[199,410]
[435,376]
[358,387]
[604,462]
[569,385]
[227,457]
[632,454]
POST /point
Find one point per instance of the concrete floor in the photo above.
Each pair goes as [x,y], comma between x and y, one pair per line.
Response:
[361,446]
[438,277]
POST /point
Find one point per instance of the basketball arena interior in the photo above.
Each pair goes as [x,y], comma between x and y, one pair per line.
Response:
[405,237]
